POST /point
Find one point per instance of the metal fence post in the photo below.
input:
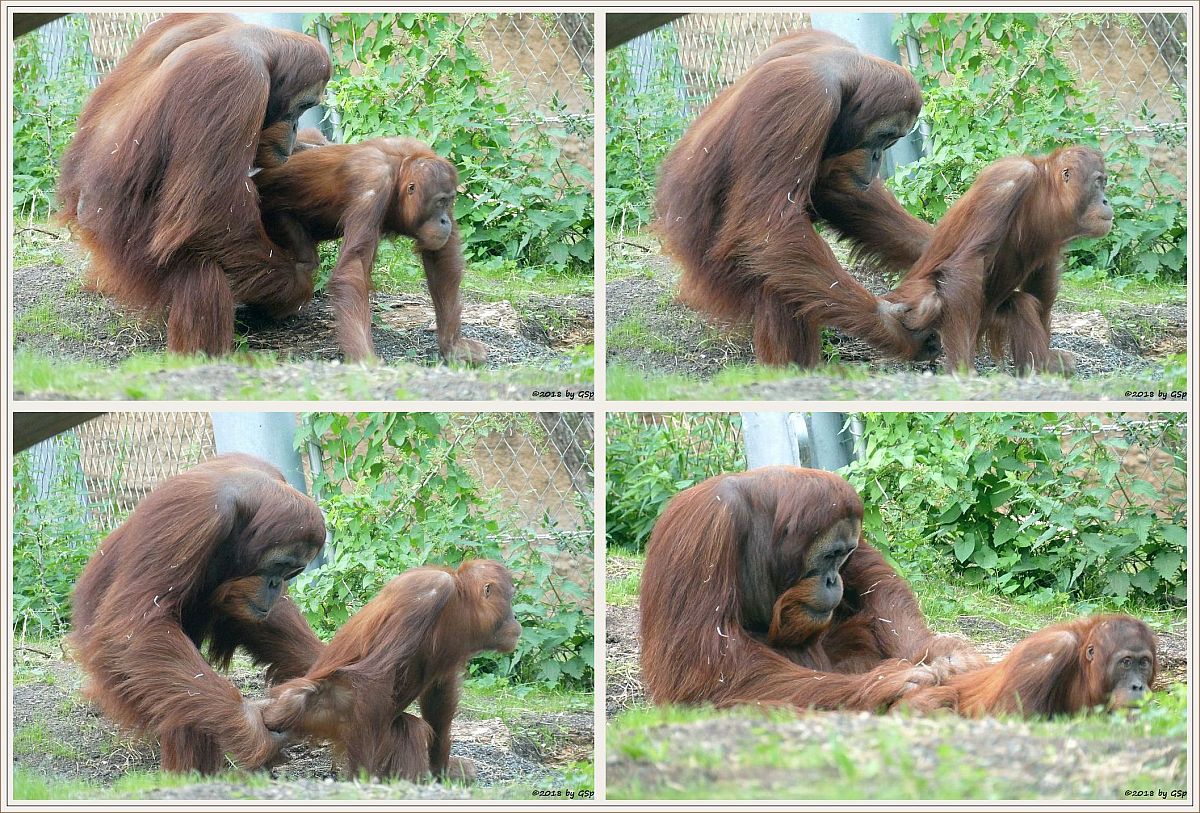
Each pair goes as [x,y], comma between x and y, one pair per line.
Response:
[832,444]
[770,440]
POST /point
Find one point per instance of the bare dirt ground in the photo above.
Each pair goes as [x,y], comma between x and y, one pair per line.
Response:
[686,343]
[65,322]
[1050,766]
[73,742]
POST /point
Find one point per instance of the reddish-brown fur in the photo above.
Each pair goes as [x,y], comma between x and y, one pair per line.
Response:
[156,181]
[797,138]
[992,268]
[361,193]
[1063,669]
[189,566]
[725,589]
[408,644]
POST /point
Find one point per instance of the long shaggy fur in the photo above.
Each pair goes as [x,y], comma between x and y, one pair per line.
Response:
[1046,675]
[738,195]
[409,644]
[156,183]
[362,193]
[992,269]
[151,596]
[725,564]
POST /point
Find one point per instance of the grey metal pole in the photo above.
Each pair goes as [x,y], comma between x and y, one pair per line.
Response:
[769,439]
[832,447]
[289,22]
[267,435]
[263,434]
[872,34]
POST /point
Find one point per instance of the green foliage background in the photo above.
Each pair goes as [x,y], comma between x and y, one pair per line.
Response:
[996,500]
[395,497]
[523,201]
[1031,505]
[994,85]
[46,104]
[418,75]
[650,462]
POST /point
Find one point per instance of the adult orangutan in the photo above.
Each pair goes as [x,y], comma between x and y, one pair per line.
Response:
[362,193]
[798,138]
[992,268]
[156,182]
[1105,660]
[409,644]
[759,588]
[204,558]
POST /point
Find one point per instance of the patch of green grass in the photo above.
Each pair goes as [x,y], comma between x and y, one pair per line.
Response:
[31,786]
[485,698]
[1112,297]
[398,271]
[630,255]
[40,244]
[631,384]
[36,738]
[577,369]
[626,383]
[879,763]
[622,591]
[140,377]
[43,319]
[634,333]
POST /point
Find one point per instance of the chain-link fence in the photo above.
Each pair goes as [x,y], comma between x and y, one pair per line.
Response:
[1148,455]
[696,435]
[538,466]
[545,59]
[548,55]
[1138,61]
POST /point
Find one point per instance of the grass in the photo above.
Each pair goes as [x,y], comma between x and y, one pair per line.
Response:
[37,738]
[511,703]
[29,786]
[775,755]
[43,319]
[635,333]
[42,244]
[1113,296]
[263,375]
[142,377]
[623,591]
[636,256]
[626,383]
[398,271]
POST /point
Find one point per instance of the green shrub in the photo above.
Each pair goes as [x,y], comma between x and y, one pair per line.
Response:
[648,463]
[1002,84]
[46,104]
[395,497]
[53,536]
[1002,500]
[418,75]
[646,115]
